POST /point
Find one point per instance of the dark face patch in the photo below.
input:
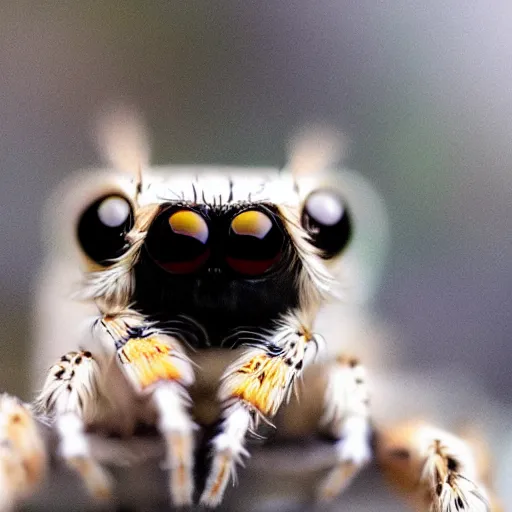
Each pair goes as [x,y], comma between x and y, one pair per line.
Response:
[215,294]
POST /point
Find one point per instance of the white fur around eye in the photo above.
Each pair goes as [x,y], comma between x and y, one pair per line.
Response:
[113,211]
[325,208]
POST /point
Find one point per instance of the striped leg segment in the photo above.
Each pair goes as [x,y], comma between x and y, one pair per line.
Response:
[178,431]
[69,398]
[253,388]
[346,417]
[22,453]
[434,468]
[156,364]
[228,451]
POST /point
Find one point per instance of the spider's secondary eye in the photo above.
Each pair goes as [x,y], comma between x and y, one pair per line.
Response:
[327,221]
[254,243]
[178,241]
[103,226]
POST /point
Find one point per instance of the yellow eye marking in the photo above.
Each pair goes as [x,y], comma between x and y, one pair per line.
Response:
[253,223]
[147,361]
[189,223]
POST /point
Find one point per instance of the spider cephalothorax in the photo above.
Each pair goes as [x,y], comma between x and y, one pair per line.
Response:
[224,258]
[241,275]
[150,270]
[210,265]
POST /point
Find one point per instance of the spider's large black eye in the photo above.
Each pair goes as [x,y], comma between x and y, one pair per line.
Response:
[103,226]
[327,220]
[178,241]
[254,244]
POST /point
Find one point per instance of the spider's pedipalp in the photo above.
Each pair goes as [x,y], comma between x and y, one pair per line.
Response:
[228,451]
[155,365]
[253,388]
[177,429]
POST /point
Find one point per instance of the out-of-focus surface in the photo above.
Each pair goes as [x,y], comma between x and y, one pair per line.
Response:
[422,91]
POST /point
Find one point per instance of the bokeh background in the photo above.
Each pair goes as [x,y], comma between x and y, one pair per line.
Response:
[422,89]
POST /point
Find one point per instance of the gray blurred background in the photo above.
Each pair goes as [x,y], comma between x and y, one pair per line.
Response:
[422,89]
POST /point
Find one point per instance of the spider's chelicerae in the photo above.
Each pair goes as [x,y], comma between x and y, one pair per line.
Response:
[151,268]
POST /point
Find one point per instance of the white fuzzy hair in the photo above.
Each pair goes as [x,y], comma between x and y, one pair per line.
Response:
[59,319]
